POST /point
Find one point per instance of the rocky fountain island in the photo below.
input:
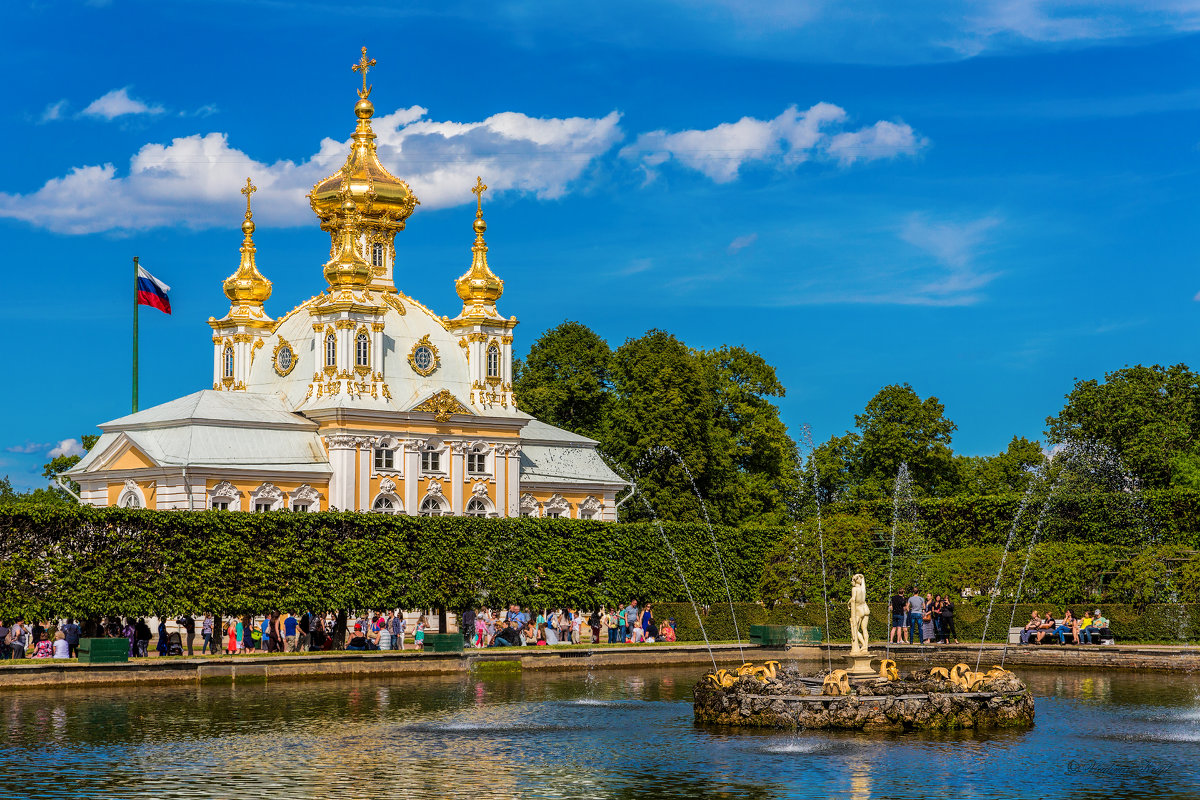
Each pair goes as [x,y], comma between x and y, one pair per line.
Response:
[858,698]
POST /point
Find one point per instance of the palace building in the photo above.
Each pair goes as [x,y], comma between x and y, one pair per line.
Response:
[360,398]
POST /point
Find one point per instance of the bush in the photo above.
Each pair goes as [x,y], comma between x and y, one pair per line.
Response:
[84,561]
[1155,623]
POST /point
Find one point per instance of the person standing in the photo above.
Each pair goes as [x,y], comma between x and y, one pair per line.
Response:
[305,639]
[232,632]
[916,608]
[633,617]
[163,647]
[467,625]
[71,634]
[206,633]
[899,632]
[594,623]
[19,639]
[647,620]
[189,630]
[564,626]
[397,626]
[948,631]
[290,626]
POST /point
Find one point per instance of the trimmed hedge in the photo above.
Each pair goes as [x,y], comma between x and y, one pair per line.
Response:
[1168,516]
[1155,623]
[81,561]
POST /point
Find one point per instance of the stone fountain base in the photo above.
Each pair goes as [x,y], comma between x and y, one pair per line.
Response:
[917,702]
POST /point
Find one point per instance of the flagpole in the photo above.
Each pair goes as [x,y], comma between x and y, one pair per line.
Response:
[135,334]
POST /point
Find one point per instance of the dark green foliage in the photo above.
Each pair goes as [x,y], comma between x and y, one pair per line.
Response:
[1156,623]
[565,380]
[82,561]
[1148,416]
[655,402]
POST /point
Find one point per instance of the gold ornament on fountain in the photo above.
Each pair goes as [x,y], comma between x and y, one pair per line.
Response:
[939,673]
[888,671]
[247,286]
[836,684]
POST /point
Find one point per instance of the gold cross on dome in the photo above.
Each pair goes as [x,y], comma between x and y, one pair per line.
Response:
[363,65]
[248,190]
[478,190]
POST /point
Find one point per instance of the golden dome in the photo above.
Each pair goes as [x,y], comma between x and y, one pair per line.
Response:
[380,196]
[479,287]
[247,286]
[347,269]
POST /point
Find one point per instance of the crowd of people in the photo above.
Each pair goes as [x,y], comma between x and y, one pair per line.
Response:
[928,619]
[1089,629]
[286,632]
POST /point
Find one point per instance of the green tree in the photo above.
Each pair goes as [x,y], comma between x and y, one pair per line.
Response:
[60,464]
[759,475]
[897,427]
[566,378]
[1007,472]
[1148,416]
[663,404]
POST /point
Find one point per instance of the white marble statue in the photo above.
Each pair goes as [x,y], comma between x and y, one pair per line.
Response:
[859,614]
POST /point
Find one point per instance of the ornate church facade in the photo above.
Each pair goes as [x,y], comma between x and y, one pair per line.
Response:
[360,398]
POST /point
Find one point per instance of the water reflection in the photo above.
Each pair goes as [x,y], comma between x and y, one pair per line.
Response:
[606,734]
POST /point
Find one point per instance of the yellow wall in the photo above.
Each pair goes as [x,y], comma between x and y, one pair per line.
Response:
[132,459]
[246,487]
[148,488]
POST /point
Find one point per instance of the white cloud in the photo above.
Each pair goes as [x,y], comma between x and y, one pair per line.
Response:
[194,180]
[741,243]
[54,111]
[67,447]
[791,138]
[956,246]
[882,140]
[118,103]
[29,447]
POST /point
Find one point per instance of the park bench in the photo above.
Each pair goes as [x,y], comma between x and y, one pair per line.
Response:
[1014,636]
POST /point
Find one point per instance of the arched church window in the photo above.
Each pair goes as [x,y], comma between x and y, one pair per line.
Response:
[476,508]
[228,358]
[493,362]
[377,255]
[131,501]
[330,351]
[362,350]
[384,505]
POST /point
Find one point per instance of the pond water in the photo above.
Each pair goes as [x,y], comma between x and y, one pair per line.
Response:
[618,734]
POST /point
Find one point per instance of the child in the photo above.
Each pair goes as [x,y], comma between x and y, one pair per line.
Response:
[419,633]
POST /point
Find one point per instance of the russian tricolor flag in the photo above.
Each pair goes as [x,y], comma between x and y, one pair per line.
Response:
[152,292]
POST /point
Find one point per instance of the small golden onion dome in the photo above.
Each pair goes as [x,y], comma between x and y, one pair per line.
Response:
[479,287]
[381,197]
[247,286]
[347,269]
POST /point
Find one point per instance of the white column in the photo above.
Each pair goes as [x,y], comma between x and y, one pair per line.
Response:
[341,484]
[217,363]
[498,467]
[412,471]
[457,473]
[514,480]
[364,474]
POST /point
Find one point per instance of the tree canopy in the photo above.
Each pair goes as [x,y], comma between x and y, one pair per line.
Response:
[684,424]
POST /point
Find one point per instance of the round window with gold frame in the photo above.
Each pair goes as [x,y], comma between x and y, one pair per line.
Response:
[284,358]
[423,358]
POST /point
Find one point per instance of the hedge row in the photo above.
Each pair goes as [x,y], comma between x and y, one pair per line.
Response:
[84,561]
[1168,516]
[1154,623]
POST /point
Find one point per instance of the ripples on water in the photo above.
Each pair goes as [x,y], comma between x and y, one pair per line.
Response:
[614,735]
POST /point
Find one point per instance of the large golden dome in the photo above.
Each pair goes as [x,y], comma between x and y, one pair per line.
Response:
[380,197]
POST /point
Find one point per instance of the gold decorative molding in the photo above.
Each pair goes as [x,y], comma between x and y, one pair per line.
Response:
[442,405]
[280,370]
[412,357]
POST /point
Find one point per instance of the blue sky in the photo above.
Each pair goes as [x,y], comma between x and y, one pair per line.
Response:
[988,200]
